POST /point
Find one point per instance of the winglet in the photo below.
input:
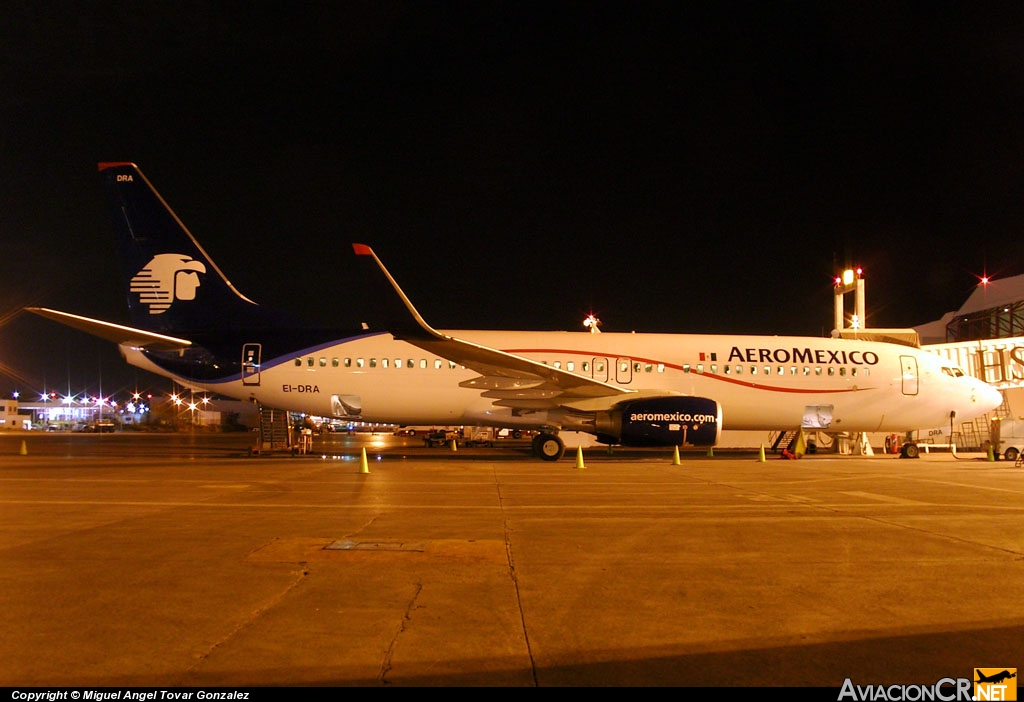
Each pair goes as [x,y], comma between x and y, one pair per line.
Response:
[419,325]
[104,165]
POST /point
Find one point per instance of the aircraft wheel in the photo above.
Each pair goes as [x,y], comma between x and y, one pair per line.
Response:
[1011,454]
[910,451]
[548,446]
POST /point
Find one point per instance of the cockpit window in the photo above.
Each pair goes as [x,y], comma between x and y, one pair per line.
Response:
[955,372]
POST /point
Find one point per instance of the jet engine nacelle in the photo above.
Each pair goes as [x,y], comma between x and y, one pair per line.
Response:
[663,421]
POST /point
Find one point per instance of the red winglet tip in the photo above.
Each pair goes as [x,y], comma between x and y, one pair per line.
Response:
[114,164]
[362,250]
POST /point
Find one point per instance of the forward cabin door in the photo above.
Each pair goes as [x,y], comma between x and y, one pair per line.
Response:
[910,376]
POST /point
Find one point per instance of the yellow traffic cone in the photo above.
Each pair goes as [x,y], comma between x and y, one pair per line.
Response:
[761,457]
[364,467]
[24,448]
[579,457]
[991,453]
[675,455]
[711,452]
[453,446]
[801,445]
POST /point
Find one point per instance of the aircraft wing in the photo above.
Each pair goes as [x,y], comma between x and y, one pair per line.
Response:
[514,381]
[113,332]
[510,380]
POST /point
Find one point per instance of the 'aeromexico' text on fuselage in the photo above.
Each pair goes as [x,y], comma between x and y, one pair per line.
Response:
[804,355]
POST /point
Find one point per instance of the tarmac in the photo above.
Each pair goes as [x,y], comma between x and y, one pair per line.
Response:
[133,560]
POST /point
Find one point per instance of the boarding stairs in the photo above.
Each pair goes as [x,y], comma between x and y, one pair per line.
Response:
[785,439]
[274,431]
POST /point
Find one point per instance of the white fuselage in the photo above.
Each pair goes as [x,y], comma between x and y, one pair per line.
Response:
[761,382]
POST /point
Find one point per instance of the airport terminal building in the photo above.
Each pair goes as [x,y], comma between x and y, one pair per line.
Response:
[985,337]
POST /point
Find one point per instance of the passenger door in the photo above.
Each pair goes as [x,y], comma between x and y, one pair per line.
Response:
[910,376]
[251,364]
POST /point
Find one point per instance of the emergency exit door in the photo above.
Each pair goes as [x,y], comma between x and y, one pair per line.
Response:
[251,364]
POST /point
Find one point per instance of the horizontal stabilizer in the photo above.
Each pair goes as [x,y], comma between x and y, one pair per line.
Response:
[113,332]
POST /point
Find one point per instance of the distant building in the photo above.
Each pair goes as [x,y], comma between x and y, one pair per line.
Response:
[10,417]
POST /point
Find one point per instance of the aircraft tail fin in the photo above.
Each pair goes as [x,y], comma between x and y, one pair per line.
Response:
[173,284]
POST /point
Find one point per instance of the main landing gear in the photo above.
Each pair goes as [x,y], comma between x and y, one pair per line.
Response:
[548,446]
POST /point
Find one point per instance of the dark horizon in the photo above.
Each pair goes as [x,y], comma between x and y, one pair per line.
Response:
[667,167]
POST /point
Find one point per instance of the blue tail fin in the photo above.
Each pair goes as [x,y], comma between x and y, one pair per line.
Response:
[173,285]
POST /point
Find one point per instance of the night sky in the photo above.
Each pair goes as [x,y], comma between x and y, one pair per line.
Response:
[674,167]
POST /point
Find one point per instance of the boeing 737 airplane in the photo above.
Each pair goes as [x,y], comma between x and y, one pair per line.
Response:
[189,323]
